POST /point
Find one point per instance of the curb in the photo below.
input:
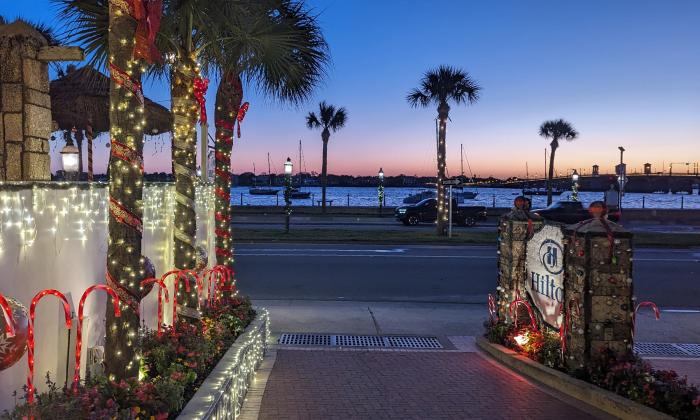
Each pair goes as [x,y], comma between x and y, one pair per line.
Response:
[590,394]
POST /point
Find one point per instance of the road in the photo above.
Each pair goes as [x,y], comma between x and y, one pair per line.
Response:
[337,222]
[422,273]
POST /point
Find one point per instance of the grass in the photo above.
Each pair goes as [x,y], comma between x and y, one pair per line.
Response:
[641,239]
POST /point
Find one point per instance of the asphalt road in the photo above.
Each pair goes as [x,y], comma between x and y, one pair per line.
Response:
[423,273]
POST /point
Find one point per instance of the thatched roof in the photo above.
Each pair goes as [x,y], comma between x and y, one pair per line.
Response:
[82,96]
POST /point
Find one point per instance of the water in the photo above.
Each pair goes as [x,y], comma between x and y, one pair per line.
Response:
[501,197]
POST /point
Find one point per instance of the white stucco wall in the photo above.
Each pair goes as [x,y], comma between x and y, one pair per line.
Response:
[57,238]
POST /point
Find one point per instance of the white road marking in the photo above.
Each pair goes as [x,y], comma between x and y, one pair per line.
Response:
[394,250]
[479,257]
[682,311]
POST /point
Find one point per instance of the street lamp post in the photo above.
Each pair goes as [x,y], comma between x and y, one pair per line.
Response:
[70,160]
[621,178]
[380,190]
[574,185]
[287,193]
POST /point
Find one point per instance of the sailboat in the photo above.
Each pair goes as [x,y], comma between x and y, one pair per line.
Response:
[296,193]
[465,195]
[261,190]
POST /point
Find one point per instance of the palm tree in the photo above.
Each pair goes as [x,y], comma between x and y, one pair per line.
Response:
[276,45]
[437,87]
[329,119]
[88,21]
[555,130]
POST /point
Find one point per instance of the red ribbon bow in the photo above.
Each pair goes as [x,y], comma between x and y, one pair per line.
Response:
[241,114]
[200,89]
[147,13]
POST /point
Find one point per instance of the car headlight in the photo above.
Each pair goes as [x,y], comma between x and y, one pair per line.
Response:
[402,211]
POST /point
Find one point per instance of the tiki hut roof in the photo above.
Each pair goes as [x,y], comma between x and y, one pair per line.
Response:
[81,96]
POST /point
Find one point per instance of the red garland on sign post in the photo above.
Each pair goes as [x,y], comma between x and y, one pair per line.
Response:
[493,311]
[30,340]
[163,289]
[79,333]
[565,327]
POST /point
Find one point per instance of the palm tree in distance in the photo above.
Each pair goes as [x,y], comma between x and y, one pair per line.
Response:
[437,87]
[329,118]
[555,130]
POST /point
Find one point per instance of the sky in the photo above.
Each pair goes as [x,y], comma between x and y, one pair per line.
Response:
[624,73]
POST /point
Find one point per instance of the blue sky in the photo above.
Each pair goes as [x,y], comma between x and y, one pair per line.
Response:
[623,72]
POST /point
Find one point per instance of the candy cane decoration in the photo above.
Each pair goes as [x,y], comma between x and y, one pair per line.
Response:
[513,306]
[493,312]
[180,274]
[9,321]
[79,333]
[646,304]
[30,338]
[223,274]
[163,288]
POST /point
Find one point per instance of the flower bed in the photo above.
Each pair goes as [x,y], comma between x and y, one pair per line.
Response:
[174,366]
[632,377]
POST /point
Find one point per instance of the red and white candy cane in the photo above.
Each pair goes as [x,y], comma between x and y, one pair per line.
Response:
[30,338]
[493,312]
[645,304]
[163,289]
[513,306]
[217,277]
[79,333]
[9,321]
[198,282]
[179,274]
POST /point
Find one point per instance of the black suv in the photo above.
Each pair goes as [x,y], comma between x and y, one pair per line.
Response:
[570,212]
[426,211]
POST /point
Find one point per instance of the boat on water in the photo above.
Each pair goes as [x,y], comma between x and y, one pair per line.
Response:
[263,190]
[297,193]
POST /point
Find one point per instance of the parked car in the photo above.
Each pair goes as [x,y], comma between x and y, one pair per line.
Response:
[570,212]
[425,211]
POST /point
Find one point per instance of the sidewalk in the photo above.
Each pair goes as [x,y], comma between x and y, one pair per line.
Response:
[456,382]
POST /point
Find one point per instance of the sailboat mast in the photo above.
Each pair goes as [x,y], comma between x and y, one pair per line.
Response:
[461,158]
[269,171]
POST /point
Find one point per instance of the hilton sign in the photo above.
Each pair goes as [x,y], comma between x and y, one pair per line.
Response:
[545,273]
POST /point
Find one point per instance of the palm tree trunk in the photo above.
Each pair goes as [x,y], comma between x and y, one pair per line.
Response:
[124,259]
[324,168]
[442,216]
[229,95]
[550,177]
[185,110]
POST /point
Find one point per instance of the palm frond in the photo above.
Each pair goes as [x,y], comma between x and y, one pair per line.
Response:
[417,98]
[339,119]
[87,25]
[557,130]
[312,120]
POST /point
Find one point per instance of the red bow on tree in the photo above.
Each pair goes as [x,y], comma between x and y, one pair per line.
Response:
[241,114]
[147,13]
[199,90]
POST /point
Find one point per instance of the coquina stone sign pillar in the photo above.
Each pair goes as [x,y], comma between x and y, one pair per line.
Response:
[598,290]
[576,278]
[515,228]
[25,112]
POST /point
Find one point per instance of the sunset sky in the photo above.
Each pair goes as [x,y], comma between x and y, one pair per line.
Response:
[623,73]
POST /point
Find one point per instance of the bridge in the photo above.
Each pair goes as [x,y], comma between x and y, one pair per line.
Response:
[637,183]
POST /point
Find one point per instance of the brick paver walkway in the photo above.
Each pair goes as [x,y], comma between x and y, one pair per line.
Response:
[322,384]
